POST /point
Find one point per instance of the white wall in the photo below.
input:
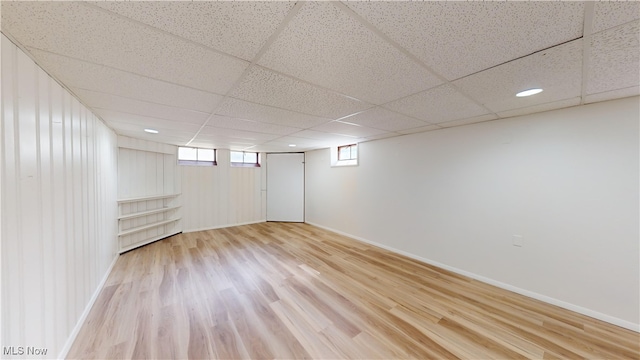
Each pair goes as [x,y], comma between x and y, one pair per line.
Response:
[566,180]
[219,196]
[59,164]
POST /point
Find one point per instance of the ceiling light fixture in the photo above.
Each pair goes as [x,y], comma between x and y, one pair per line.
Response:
[151,131]
[292,145]
[528,92]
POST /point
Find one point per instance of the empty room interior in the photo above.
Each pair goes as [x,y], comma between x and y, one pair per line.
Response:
[326,180]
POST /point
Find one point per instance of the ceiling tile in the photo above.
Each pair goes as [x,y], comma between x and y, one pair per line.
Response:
[161,138]
[236,28]
[420,129]
[326,138]
[613,94]
[87,33]
[615,59]
[251,111]
[471,120]
[557,70]
[98,100]
[282,144]
[437,105]
[83,75]
[250,125]
[337,127]
[269,88]
[608,14]
[325,46]
[243,135]
[541,107]
[383,119]
[141,122]
[460,38]
[381,136]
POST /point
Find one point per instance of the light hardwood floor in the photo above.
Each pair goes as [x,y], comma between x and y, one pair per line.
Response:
[280,290]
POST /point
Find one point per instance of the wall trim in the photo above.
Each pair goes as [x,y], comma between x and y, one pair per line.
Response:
[223,226]
[549,300]
[74,333]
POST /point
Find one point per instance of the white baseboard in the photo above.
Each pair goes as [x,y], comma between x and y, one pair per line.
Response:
[223,226]
[563,304]
[72,338]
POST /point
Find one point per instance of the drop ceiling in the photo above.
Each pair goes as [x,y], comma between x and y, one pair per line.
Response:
[259,76]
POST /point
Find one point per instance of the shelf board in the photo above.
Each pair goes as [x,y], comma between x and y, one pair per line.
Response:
[148,212]
[146,198]
[145,227]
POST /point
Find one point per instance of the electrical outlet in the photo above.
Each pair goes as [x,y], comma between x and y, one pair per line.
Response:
[517,240]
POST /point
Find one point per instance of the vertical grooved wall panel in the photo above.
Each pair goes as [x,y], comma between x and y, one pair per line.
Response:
[146,168]
[219,196]
[59,164]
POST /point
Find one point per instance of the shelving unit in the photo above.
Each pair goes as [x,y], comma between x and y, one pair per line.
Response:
[142,220]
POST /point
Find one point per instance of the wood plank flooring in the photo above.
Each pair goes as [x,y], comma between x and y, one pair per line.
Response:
[294,291]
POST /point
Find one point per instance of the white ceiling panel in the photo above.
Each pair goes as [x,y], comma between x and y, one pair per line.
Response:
[420,129]
[608,14]
[471,120]
[83,75]
[323,45]
[557,70]
[251,111]
[460,38]
[239,29]
[238,135]
[383,119]
[269,88]
[161,138]
[437,105]
[337,127]
[541,107]
[615,59]
[326,138]
[613,94]
[83,32]
[282,144]
[141,122]
[98,100]
[170,65]
[380,136]
[250,125]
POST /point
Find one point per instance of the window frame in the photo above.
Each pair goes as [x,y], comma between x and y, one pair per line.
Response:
[336,161]
[197,162]
[244,163]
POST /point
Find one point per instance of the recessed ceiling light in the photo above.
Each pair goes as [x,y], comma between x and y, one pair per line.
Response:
[528,92]
[292,145]
[151,131]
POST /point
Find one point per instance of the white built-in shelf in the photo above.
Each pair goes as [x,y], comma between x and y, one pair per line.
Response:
[145,227]
[146,198]
[148,212]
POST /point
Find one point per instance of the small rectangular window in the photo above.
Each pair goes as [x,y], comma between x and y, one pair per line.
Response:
[348,152]
[245,159]
[196,156]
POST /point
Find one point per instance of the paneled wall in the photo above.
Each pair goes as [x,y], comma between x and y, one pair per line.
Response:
[219,196]
[149,201]
[59,164]
[565,181]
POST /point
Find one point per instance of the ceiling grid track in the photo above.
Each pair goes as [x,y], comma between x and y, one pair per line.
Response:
[393,43]
[292,13]
[586,47]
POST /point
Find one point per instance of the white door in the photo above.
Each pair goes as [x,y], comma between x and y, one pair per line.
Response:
[285,187]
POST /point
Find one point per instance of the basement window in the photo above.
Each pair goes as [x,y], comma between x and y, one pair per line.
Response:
[245,159]
[196,156]
[345,155]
